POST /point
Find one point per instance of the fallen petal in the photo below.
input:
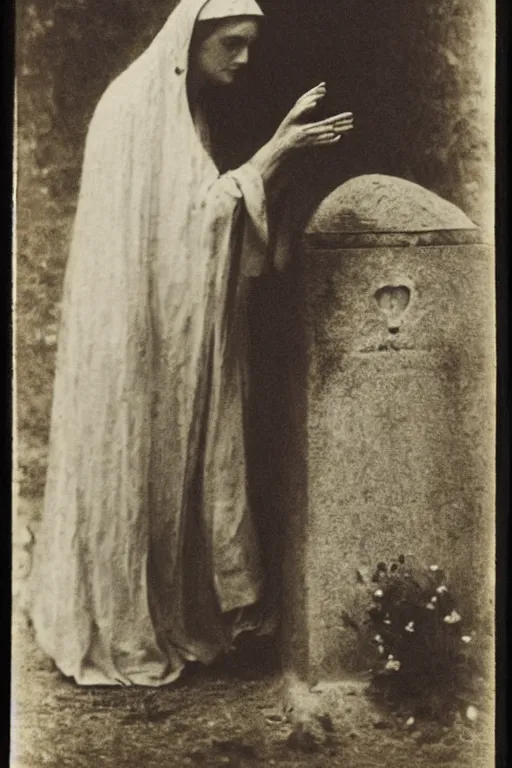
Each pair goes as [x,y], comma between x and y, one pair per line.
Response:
[452,618]
[472,713]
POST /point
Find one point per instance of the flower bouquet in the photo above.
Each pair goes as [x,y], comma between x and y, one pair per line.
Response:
[422,646]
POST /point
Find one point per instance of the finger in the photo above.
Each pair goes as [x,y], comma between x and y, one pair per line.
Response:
[316,93]
[318,127]
[320,130]
[305,106]
[324,137]
[312,141]
[316,130]
[312,98]
[316,89]
[342,117]
[322,142]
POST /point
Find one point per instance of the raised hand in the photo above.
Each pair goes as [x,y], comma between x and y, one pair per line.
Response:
[294,133]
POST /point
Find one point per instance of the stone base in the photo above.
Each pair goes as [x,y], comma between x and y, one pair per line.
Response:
[328,711]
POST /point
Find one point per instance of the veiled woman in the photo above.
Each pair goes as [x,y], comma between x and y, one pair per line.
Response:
[147,554]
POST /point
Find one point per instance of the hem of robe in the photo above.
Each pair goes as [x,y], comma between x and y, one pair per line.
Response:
[157,674]
[86,672]
[92,676]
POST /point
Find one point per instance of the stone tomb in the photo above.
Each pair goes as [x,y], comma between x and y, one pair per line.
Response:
[390,400]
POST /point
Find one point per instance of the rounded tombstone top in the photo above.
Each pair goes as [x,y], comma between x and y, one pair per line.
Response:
[378,210]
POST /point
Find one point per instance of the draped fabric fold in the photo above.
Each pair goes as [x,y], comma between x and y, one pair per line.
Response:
[147,540]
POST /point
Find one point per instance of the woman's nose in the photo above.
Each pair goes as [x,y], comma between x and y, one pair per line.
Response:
[243,56]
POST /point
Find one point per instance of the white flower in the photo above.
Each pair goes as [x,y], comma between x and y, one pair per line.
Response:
[410,627]
[378,593]
[433,599]
[392,666]
[472,713]
[430,606]
[378,639]
[452,618]
[391,657]
[466,638]
[387,621]
[442,589]
[410,722]
[434,568]
[381,649]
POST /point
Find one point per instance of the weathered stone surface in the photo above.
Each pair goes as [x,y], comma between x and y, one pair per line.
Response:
[382,204]
[400,428]
[355,239]
[391,401]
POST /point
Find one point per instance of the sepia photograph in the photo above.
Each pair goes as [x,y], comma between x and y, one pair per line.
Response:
[254,384]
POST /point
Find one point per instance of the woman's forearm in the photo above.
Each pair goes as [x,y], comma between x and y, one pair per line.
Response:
[269,159]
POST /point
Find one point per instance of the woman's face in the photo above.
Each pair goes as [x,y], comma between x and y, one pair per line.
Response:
[225,51]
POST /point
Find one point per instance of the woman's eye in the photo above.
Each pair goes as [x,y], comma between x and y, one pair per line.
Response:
[236,44]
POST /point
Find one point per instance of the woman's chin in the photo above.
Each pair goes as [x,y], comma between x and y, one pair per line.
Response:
[227,78]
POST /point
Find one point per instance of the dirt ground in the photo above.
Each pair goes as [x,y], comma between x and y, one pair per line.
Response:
[228,715]
[211,718]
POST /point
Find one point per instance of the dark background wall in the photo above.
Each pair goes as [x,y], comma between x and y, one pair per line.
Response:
[412,71]
[418,75]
